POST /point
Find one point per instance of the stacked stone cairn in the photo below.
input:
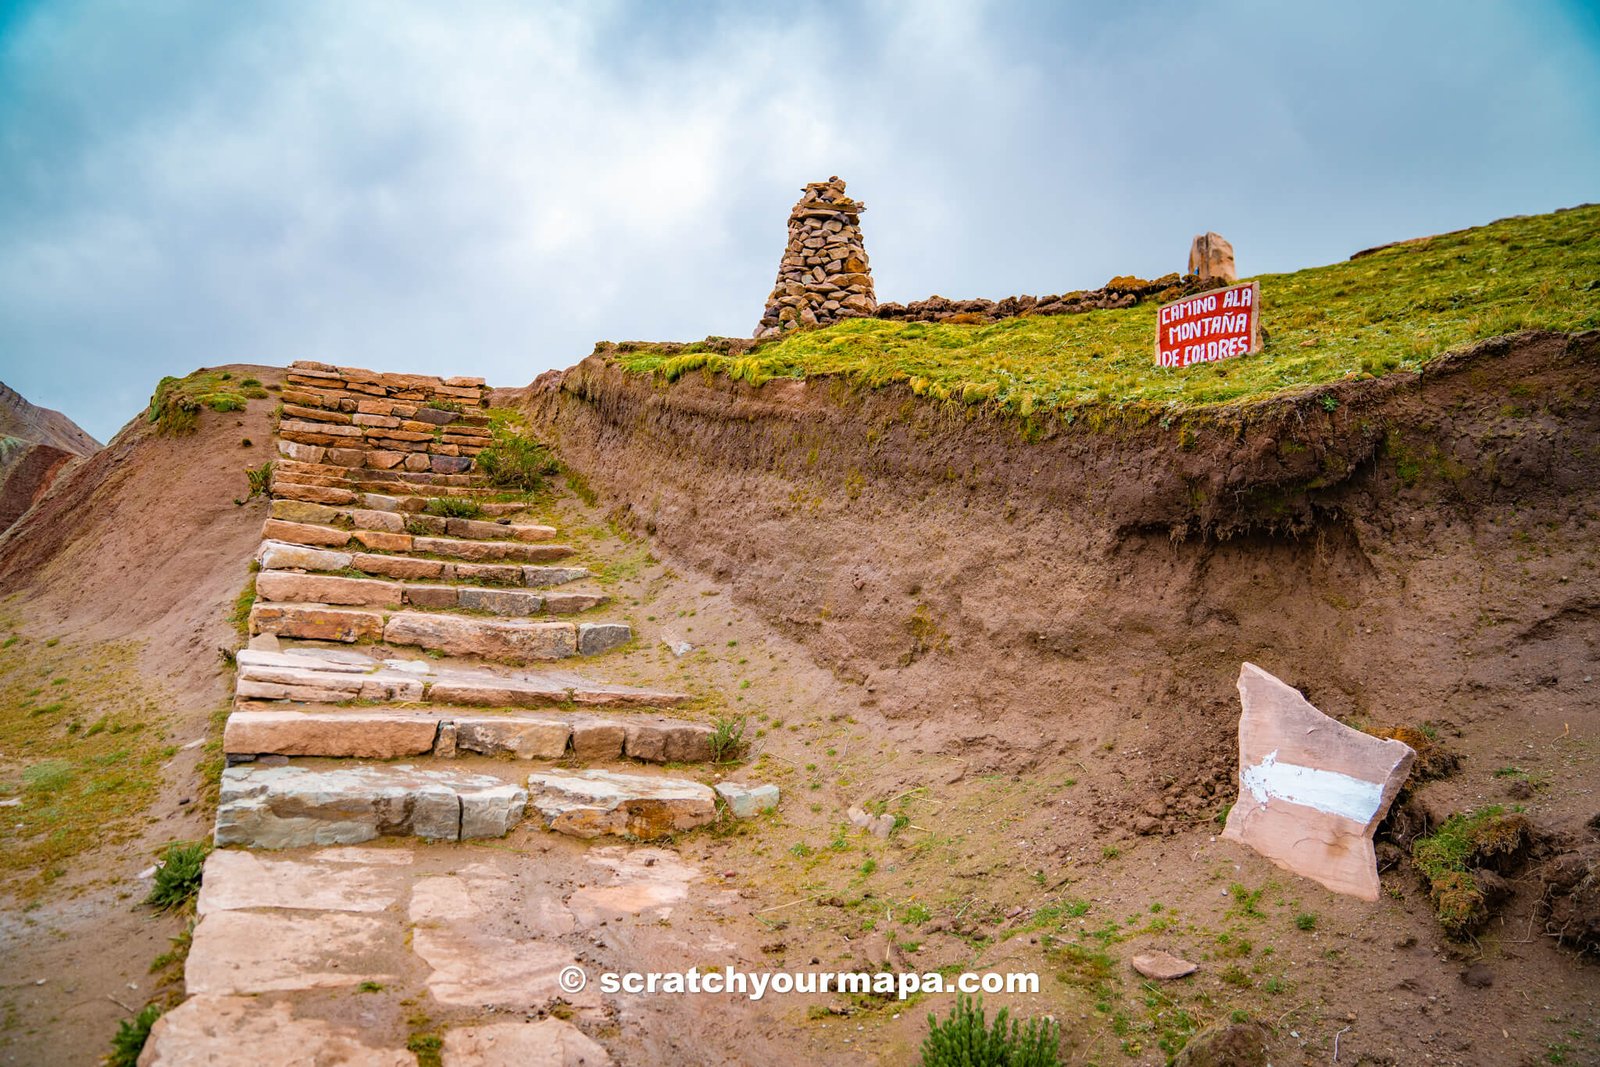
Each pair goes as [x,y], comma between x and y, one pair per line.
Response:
[824,276]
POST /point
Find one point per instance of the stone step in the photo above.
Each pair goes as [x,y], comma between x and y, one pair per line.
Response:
[281,555]
[303,472]
[411,504]
[393,733]
[595,802]
[505,640]
[314,535]
[318,675]
[293,806]
[294,587]
[394,521]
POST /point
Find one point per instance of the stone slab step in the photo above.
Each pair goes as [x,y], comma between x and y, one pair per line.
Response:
[506,640]
[297,587]
[388,733]
[318,675]
[595,802]
[394,521]
[516,641]
[284,556]
[298,471]
[410,504]
[288,807]
[313,535]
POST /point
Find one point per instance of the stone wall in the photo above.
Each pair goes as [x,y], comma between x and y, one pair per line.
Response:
[349,417]
[824,275]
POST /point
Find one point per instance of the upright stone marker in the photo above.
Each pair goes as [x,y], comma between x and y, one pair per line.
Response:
[1211,259]
[824,275]
[1311,790]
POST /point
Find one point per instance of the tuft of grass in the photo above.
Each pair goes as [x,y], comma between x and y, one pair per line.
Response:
[965,1039]
[260,479]
[1306,920]
[1446,857]
[1394,310]
[240,615]
[128,1041]
[177,880]
[516,460]
[453,507]
[727,738]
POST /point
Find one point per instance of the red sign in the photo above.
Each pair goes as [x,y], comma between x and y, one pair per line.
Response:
[1209,326]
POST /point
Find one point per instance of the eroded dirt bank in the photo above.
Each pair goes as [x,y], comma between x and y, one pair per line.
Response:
[1036,608]
[1414,548]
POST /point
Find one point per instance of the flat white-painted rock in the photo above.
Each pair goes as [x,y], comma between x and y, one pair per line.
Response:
[1311,790]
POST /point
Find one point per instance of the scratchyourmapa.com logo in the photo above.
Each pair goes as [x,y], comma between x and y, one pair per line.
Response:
[757,984]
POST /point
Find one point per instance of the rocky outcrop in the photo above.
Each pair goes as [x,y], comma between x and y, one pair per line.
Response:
[824,275]
[1211,259]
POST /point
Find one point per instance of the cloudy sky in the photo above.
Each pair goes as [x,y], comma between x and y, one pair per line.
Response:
[491,187]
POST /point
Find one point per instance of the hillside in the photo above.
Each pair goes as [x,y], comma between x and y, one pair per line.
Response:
[1002,633]
[35,445]
[29,422]
[1394,308]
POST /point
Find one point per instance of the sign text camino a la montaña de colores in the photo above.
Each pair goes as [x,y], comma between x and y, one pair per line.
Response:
[1209,326]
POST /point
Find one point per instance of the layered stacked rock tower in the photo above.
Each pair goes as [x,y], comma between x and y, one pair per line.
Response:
[824,275]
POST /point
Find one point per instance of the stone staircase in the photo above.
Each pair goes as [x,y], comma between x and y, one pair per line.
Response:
[472,584]
[400,681]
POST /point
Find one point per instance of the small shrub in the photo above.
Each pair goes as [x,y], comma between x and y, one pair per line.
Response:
[514,460]
[966,1040]
[453,507]
[177,880]
[440,404]
[260,479]
[727,738]
[1305,921]
[128,1041]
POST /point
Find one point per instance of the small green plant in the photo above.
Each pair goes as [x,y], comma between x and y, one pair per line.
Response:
[1330,402]
[128,1041]
[966,1040]
[369,986]
[1306,921]
[515,460]
[441,404]
[727,738]
[260,480]
[177,880]
[453,507]
[1447,856]
[223,401]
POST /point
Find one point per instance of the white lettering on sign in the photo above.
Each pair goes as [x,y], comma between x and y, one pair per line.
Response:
[1355,799]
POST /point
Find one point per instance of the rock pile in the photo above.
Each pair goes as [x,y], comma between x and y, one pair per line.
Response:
[824,276]
[1120,292]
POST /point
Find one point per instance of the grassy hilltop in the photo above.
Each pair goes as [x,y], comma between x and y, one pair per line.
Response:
[1394,309]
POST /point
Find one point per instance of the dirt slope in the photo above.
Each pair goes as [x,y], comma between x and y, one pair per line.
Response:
[119,581]
[1415,550]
